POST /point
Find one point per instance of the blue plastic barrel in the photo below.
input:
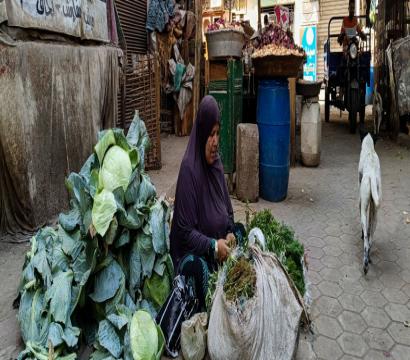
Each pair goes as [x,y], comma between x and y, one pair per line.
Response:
[273,119]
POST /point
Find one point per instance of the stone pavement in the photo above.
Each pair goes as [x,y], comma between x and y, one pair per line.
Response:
[354,316]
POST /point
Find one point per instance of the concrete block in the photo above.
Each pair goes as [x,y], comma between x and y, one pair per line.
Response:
[247,163]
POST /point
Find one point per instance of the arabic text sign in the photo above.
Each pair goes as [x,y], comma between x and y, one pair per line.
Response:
[80,18]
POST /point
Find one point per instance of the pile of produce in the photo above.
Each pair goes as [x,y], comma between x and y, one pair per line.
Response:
[221,25]
[239,277]
[280,239]
[83,282]
[276,41]
[275,50]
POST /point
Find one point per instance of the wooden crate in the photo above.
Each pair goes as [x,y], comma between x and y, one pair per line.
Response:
[141,92]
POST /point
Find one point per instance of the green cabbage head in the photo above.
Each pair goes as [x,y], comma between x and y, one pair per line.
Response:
[116,169]
[144,336]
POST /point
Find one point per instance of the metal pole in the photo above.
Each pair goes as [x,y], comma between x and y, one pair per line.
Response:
[259,16]
[198,54]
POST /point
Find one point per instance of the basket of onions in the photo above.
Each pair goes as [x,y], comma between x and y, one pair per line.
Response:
[276,54]
[225,40]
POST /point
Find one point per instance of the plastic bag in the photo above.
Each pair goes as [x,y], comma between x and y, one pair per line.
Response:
[193,337]
[266,326]
[179,306]
[256,237]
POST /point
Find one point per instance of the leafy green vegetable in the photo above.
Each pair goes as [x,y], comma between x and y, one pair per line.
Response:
[143,336]
[123,239]
[119,297]
[79,191]
[164,267]
[157,228]
[88,167]
[161,343]
[119,321]
[240,280]
[135,269]
[107,258]
[40,263]
[102,146]
[280,239]
[147,254]
[103,211]
[146,189]
[131,218]
[70,336]
[71,220]
[59,295]
[69,241]
[108,338]
[156,289]
[137,134]
[112,232]
[55,334]
[101,355]
[116,170]
[32,325]
[121,140]
[107,282]
[132,192]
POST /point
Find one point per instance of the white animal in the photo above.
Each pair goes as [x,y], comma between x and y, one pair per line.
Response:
[370,191]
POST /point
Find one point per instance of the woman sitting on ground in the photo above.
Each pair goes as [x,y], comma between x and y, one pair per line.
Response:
[202,225]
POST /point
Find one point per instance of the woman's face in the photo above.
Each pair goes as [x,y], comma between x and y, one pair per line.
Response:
[211,147]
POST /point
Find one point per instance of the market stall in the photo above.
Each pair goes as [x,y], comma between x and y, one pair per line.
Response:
[172,37]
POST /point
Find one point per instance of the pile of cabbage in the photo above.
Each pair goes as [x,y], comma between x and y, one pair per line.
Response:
[98,279]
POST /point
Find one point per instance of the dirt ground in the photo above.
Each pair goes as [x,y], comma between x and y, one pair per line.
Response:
[354,317]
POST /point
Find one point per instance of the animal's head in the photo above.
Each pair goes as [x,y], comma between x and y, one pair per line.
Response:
[363,133]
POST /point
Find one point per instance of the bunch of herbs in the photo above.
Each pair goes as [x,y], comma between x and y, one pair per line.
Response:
[280,239]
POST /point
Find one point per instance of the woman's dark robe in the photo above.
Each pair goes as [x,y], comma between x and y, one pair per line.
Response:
[203,210]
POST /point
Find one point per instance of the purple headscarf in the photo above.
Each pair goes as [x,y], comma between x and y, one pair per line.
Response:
[203,209]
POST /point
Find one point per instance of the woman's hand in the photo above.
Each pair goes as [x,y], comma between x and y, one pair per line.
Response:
[223,250]
[231,240]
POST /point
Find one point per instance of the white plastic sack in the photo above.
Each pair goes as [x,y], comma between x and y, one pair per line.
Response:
[193,337]
[266,326]
[256,237]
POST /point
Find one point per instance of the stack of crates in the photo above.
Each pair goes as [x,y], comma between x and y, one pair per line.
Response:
[226,86]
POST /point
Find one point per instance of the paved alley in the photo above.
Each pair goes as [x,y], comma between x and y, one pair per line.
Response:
[354,316]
